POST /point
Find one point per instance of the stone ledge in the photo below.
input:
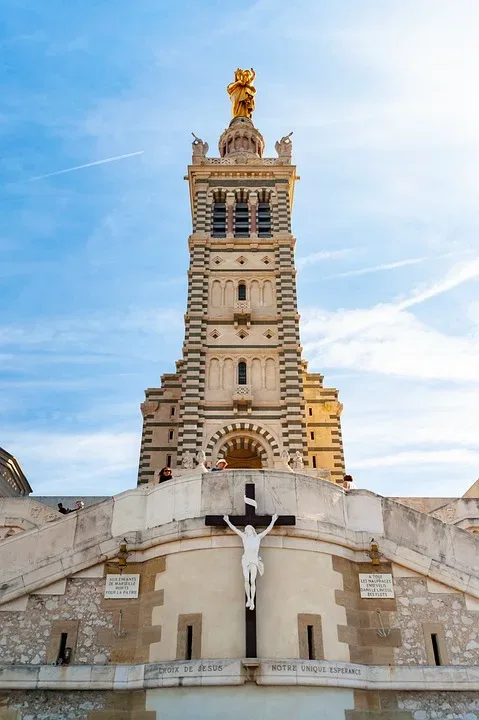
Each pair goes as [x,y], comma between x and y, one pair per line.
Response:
[151,516]
[211,672]
[378,715]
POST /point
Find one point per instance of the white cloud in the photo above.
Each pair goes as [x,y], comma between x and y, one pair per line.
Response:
[459,274]
[388,340]
[87,165]
[88,463]
[416,458]
[389,343]
[324,255]
[380,268]
[71,330]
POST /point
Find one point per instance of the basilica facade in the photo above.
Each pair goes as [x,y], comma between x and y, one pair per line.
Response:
[265,590]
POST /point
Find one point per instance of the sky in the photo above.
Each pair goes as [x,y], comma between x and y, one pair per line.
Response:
[382,98]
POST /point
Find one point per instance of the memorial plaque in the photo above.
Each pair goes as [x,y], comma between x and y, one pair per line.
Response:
[376,585]
[122,586]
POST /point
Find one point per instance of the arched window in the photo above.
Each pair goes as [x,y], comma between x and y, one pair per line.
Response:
[264,219]
[264,214]
[219,219]
[242,373]
[218,222]
[241,214]
[241,291]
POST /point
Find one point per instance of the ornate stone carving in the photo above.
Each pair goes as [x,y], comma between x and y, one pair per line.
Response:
[333,407]
[200,149]
[201,459]
[187,462]
[241,141]
[284,148]
[285,459]
[298,463]
[450,513]
[149,407]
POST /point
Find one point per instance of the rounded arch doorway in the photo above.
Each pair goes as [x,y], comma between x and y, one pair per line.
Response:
[243,452]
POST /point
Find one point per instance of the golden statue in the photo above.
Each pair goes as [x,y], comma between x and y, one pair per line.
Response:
[242,93]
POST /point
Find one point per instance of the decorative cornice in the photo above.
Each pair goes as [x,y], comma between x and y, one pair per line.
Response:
[238,671]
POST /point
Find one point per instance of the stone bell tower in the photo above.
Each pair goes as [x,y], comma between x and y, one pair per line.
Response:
[242,390]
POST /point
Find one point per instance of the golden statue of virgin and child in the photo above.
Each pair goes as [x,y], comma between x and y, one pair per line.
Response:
[242,93]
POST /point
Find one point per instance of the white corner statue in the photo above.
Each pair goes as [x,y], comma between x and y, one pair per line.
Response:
[187,462]
[251,561]
[201,459]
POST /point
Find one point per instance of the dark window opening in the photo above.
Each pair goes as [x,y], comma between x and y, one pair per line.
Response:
[314,461]
[241,219]
[242,291]
[264,219]
[189,642]
[312,435]
[219,220]
[241,373]
[310,411]
[435,649]
[64,652]
[171,435]
[168,460]
[311,653]
[172,411]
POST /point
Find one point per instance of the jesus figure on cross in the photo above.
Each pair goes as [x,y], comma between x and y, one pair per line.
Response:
[251,561]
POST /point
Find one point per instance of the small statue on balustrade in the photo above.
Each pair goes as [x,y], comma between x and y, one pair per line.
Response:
[284,148]
[298,463]
[200,149]
[187,462]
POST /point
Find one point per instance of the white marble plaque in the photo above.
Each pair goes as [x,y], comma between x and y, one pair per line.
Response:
[122,586]
[376,585]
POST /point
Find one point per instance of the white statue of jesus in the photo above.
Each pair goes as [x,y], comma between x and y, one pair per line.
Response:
[251,561]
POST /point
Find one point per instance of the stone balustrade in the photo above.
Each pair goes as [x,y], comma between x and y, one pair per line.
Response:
[41,556]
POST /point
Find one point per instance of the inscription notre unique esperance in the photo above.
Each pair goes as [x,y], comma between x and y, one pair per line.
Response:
[316,669]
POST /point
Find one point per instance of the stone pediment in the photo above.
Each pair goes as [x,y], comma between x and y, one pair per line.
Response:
[462,512]
[22,513]
[174,512]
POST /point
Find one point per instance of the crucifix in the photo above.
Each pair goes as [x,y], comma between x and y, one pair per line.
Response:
[251,561]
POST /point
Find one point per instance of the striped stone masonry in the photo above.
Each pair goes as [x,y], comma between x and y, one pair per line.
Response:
[204,406]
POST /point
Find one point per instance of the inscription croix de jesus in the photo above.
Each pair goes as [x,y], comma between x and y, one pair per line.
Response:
[251,561]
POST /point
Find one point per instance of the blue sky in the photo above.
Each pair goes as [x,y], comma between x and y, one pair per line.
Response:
[383,104]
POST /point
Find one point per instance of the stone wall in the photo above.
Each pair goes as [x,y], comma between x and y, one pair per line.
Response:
[416,606]
[74,705]
[361,629]
[107,705]
[440,705]
[25,636]
[390,705]
[52,704]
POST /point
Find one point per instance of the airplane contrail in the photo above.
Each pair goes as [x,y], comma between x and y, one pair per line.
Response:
[80,167]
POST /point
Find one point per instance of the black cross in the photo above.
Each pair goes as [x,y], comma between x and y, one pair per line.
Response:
[250,518]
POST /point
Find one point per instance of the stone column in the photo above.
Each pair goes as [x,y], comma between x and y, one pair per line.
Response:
[230,205]
[253,206]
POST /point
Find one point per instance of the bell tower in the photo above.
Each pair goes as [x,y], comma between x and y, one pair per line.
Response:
[242,390]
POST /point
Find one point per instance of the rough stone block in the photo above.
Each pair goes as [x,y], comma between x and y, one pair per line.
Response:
[378,715]
[369,636]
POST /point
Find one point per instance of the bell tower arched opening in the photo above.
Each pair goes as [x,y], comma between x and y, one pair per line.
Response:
[242,452]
